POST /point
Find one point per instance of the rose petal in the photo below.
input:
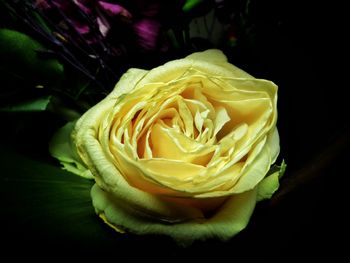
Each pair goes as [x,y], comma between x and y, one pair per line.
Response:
[274,144]
[231,218]
[169,144]
[257,169]
[179,69]
[215,56]
[221,119]
[95,156]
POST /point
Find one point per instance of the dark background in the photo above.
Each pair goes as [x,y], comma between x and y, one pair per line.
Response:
[300,45]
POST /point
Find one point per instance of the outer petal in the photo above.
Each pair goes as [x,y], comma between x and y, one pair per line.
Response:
[258,169]
[231,218]
[274,144]
[91,119]
[215,56]
[195,63]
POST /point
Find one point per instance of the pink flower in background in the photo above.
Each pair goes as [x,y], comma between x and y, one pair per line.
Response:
[125,24]
[147,31]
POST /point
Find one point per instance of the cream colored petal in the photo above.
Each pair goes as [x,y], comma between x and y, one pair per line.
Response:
[213,185]
[221,119]
[108,177]
[170,144]
[92,118]
[171,171]
[232,217]
[226,147]
[212,55]
[198,122]
[101,162]
[176,70]
[273,141]
[148,153]
[127,82]
[187,118]
[215,56]
[256,171]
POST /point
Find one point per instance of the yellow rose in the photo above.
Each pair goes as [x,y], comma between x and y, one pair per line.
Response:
[184,149]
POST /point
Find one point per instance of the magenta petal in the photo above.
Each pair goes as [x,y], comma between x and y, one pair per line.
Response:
[113,9]
[147,31]
[80,28]
[42,4]
[84,5]
[103,25]
[62,5]
[148,8]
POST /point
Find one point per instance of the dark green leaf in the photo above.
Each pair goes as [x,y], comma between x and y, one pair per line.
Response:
[39,104]
[43,202]
[20,58]
[190,4]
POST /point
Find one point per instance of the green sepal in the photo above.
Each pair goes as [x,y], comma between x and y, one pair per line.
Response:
[269,185]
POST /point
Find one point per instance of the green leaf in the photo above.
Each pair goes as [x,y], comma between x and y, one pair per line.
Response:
[35,105]
[190,4]
[19,58]
[62,148]
[43,202]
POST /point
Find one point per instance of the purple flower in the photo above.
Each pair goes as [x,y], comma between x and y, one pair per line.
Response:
[132,23]
[102,39]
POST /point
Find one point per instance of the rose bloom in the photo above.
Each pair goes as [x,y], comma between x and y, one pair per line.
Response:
[184,149]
